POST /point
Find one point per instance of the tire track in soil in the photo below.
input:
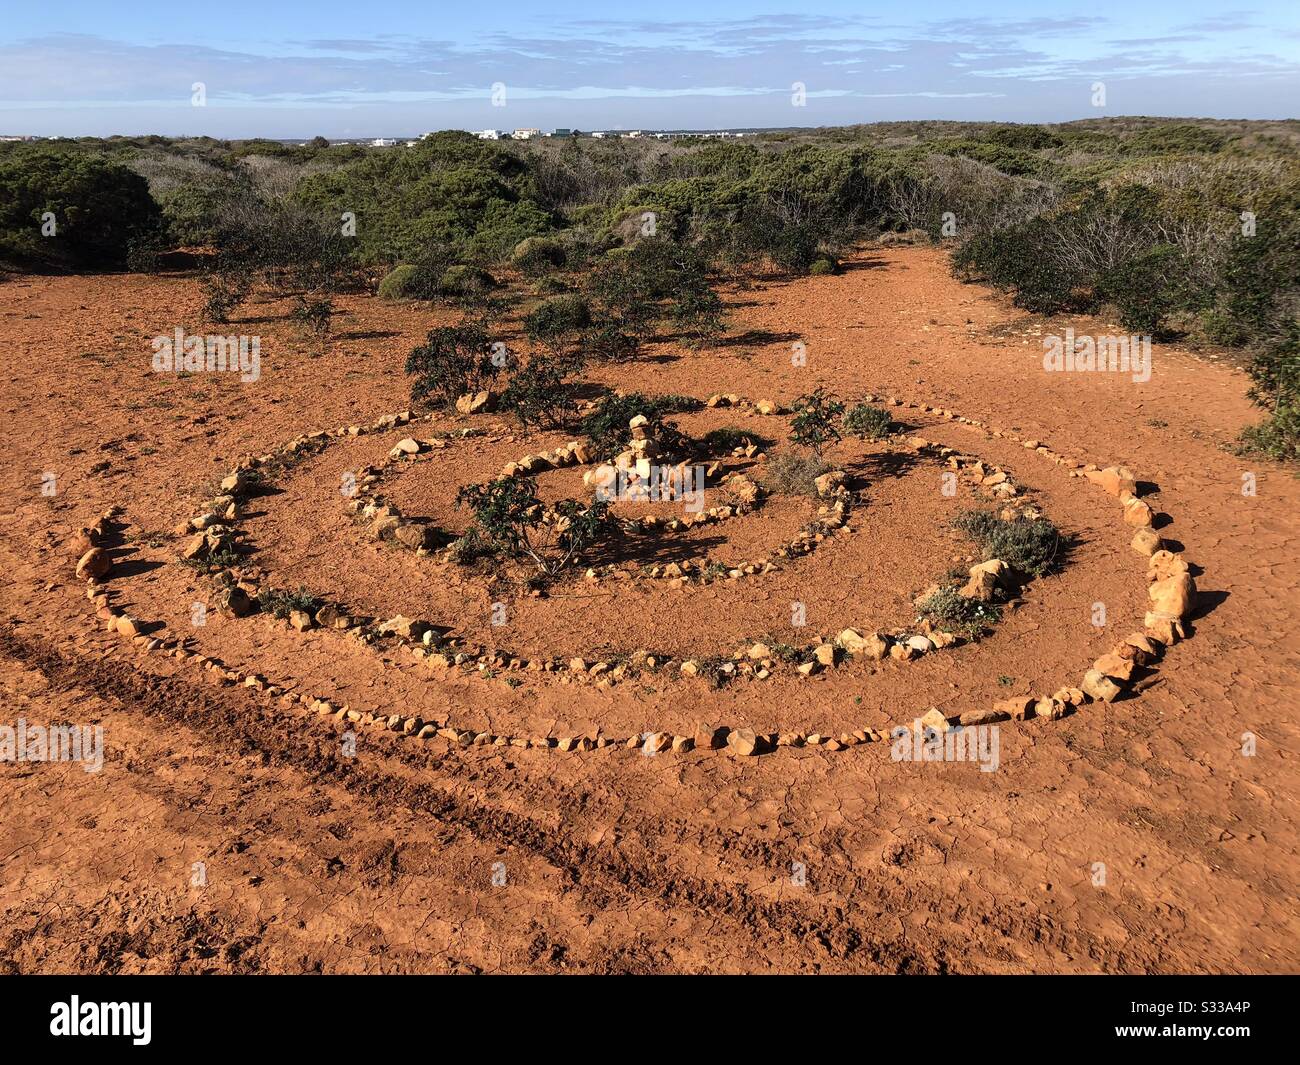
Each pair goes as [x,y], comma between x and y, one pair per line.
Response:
[601,875]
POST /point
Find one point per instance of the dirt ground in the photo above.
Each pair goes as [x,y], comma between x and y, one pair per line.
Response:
[1130,837]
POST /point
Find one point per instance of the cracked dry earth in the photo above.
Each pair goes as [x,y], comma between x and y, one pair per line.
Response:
[391,861]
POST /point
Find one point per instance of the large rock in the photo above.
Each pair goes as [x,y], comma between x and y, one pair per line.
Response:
[94,564]
[1114,479]
[1100,686]
[742,742]
[1147,542]
[1172,596]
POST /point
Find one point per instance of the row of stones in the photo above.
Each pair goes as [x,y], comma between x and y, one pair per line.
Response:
[757,661]
[385,521]
[1171,592]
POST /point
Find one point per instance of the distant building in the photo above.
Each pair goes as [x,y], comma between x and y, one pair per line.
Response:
[489,134]
[600,134]
[633,133]
[383,142]
[526,134]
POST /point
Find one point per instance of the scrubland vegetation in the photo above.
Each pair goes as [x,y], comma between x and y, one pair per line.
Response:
[1183,230]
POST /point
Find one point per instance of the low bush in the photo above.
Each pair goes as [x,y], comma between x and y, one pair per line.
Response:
[795,472]
[1030,545]
[558,320]
[867,422]
[539,394]
[725,440]
[452,361]
[279,602]
[950,611]
[509,516]
[538,255]
[607,425]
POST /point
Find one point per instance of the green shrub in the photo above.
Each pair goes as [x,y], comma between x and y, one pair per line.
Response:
[867,422]
[509,516]
[452,361]
[949,611]
[538,255]
[400,283]
[538,394]
[814,421]
[607,425]
[822,266]
[99,208]
[423,277]
[725,440]
[557,320]
[280,602]
[465,281]
[1278,436]
[1030,545]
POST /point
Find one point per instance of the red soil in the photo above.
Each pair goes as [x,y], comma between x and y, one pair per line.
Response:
[613,861]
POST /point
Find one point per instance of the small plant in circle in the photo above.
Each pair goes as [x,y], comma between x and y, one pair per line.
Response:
[814,424]
[867,422]
[509,516]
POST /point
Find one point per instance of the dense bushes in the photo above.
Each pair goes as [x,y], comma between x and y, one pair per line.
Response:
[450,189]
[100,210]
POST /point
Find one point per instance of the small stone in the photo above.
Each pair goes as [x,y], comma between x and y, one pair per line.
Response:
[934,719]
[825,654]
[742,742]
[1100,686]
[94,563]
[1173,596]
[1115,667]
[807,669]
[982,717]
[1146,542]
[1016,708]
[708,736]
[301,620]
[1137,512]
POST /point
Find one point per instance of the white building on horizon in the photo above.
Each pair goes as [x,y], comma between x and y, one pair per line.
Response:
[489,134]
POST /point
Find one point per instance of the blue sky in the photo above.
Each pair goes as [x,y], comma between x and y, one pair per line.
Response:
[295,68]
